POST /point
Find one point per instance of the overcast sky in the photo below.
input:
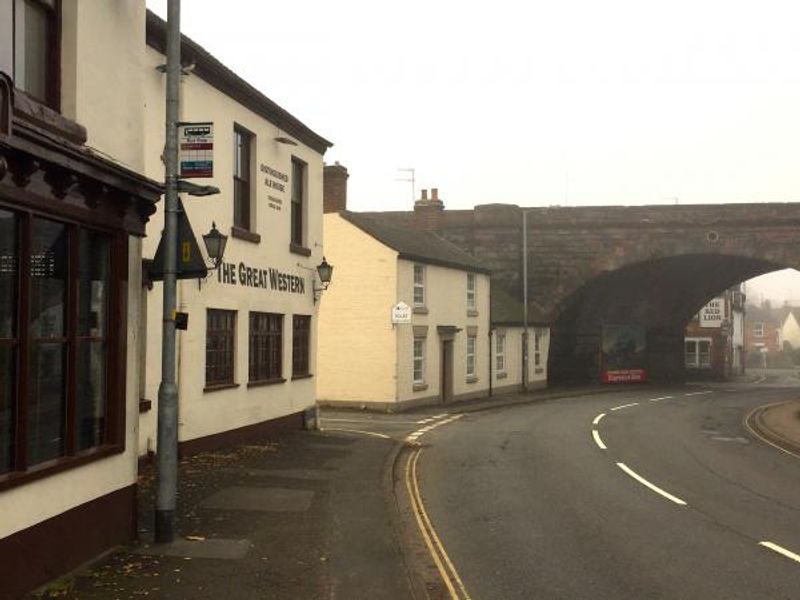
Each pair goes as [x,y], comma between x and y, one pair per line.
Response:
[533,103]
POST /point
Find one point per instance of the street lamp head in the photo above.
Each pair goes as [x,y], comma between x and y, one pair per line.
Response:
[215,245]
[325,272]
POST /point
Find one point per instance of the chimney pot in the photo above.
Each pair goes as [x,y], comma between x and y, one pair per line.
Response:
[424,194]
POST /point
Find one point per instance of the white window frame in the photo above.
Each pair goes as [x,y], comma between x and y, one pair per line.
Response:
[472,286]
[537,354]
[700,360]
[472,344]
[500,352]
[419,285]
[758,329]
[419,344]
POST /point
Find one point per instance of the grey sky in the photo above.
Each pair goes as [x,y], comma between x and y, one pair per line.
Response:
[533,103]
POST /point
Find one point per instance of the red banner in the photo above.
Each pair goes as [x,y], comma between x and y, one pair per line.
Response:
[625,376]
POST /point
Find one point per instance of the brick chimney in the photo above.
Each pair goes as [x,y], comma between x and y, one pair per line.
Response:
[428,212]
[334,188]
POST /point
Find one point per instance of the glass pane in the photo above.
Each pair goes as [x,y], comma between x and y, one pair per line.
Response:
[7,391]
[93,269]
[90,401]
[46,410]
[35,78]
[8,274]
[48,266]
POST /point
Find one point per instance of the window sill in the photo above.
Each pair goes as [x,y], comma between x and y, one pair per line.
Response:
[420,310]
[304,376]
[252,384]
[245,234]
[419,387]
[301,250]
[219,386]
[145,405]
[472,379]
[502,375]
[58,465]
[471,312]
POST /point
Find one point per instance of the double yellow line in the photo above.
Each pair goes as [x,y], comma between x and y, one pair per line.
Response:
[446,569]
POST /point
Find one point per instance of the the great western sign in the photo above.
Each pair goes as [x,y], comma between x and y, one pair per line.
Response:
[267,279]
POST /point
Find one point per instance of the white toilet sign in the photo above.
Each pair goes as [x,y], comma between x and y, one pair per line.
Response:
[713,313]
[401,313]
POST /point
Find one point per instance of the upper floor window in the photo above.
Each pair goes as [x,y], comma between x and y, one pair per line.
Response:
[242,215]
[298,202]
[758,329]
[471,291]
[419,285]
[36,49]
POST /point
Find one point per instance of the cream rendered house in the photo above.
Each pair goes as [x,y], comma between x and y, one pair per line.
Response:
[71,164]
[440,354]
[246,363]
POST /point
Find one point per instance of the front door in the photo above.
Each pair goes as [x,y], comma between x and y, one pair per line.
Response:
[446,376]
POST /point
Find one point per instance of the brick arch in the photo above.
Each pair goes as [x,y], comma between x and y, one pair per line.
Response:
[660,294]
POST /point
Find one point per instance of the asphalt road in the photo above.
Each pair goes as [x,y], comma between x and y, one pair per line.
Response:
[528,505]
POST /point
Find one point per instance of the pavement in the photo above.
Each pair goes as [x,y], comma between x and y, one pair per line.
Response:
[305,515]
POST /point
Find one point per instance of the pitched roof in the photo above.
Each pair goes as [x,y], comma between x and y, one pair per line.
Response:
[213,72]
[417,245]
[508,309]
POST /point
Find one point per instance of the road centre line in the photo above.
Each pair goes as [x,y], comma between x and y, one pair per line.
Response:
[660,399]
[699,393]
[781,550]
[620,407]
[597,440]
[598,418]
[652,486]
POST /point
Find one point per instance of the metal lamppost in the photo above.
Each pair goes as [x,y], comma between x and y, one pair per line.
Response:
[167,457]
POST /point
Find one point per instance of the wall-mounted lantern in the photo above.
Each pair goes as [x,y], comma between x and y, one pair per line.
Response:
[215,245]
[325,273]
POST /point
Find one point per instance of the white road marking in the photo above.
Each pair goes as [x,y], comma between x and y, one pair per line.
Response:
[660,399]
[625,406]
[597,418]
[367,420]
[781,550]
[412,437]
[597,440]
[653,487]
[372,433]
[763,378]
[699,393]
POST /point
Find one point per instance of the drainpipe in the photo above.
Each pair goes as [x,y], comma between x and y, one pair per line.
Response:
[525,300]
[490,336]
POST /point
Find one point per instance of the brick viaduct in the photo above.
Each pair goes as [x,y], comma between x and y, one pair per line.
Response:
[654,266]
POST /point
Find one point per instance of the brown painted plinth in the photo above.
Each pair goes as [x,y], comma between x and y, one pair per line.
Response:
[34,556]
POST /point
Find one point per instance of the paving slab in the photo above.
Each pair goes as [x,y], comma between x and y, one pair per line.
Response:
[219,549]
[262,499]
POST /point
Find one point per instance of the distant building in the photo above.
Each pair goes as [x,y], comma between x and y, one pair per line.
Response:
[714,344]
[769,332]
[461,339]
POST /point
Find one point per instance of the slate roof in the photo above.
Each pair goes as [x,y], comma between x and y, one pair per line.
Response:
[508,309]
[415,244]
